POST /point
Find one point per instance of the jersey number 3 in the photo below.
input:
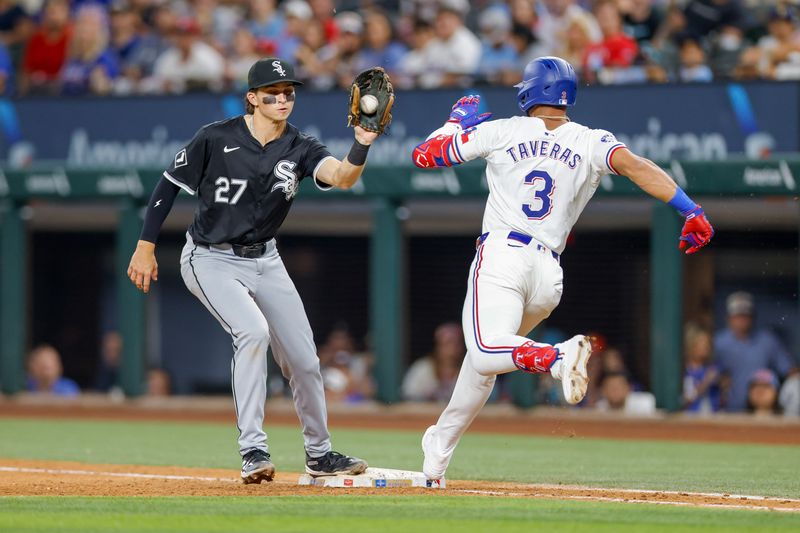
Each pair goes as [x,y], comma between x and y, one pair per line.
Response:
[543,188]
[224,187]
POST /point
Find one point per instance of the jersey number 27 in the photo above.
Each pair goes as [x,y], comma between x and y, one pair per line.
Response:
[543,188]
[221,194]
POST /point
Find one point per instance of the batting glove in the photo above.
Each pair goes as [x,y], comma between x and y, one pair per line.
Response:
[696,232]
[465,112]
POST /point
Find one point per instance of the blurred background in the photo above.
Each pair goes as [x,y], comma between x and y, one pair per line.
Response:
[98,97]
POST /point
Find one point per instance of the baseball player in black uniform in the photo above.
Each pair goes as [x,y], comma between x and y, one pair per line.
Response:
[245,172]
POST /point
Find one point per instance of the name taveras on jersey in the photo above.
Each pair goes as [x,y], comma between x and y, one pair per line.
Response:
[540,148]
[287,178]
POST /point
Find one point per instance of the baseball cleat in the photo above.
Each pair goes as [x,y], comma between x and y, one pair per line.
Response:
[256,467]
[435,463]
[574,356]
[333,463]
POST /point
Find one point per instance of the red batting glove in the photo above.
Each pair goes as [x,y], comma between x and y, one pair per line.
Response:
[696,232]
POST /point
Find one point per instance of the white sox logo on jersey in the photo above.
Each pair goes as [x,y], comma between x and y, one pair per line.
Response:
[279,68]
[284,171]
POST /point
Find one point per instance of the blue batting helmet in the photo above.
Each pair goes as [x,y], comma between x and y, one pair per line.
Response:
[547,81]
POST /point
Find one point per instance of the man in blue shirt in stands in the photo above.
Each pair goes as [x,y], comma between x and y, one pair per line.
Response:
[45,373]
[741,350]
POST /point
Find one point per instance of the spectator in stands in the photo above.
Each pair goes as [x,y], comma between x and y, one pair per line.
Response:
[91,65]
[693,67]
[341,58]
[499,59]
[190,64]
[125,32]
[345,373]
[762,393]
[298,15]
[244,54]
[159,383]
[324,11]
[706,17]
[417,65]
[575,46]
[310,66]
[137,75]
[641,19]
[15,29]
[789,397]
[617,396]
[741,350]
[218,22]
[266,23]
[46,51]
[7,85]
[700,378]
[433,377]
[607,59]
[45,373]
[780,50]
[523,13]
[555,18]
[107,375]
[456,51]
[380,48]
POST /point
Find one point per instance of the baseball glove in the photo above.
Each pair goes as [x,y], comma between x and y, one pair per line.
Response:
[375,82]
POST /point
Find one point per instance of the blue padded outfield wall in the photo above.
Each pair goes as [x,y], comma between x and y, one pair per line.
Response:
[708,122]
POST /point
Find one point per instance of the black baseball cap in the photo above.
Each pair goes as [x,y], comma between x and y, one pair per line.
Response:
[270,71]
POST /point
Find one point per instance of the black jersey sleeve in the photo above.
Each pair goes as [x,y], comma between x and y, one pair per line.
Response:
[186,169]
[316,154]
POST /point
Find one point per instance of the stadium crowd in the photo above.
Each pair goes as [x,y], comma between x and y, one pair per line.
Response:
[78,47]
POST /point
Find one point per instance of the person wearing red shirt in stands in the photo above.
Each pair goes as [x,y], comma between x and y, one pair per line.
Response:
[616,50]
[47,49]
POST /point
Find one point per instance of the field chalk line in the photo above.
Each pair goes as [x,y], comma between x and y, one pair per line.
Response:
[509,493]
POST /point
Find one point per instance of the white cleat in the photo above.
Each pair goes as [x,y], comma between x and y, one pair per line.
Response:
[574,356]
[435,463]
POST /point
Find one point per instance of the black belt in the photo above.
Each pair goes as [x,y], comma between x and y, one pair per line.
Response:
[248,251]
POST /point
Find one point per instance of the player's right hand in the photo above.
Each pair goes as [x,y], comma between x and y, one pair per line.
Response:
[465,112]
[143,267]
[696,232]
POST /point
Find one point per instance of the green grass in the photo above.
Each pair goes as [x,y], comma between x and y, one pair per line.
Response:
[359,514]
[737,468]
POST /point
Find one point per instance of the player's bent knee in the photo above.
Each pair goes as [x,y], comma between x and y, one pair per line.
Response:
[256,333]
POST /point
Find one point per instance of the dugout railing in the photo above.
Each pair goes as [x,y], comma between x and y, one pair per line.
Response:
[386,188]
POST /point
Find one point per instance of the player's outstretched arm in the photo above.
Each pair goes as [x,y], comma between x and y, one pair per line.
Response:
[143,268]
[697,231]
[345,174]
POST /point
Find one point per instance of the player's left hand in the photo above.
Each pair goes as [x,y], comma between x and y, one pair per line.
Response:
[365,137]
[465,112]
[696,232]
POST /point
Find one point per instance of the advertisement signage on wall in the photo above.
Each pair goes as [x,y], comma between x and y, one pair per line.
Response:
[686,122]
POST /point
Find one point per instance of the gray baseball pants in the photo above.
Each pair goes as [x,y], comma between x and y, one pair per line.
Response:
[257,303]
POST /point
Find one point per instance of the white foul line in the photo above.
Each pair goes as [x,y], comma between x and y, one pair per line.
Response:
[114,474]
[472,491]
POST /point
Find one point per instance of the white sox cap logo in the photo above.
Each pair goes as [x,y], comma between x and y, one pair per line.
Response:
[279,68]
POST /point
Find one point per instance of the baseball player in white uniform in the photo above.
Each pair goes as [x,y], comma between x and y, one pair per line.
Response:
[541,169]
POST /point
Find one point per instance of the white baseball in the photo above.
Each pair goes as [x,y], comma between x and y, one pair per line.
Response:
[369,104]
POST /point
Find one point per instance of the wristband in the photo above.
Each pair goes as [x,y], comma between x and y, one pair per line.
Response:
[682,203]
[358,154]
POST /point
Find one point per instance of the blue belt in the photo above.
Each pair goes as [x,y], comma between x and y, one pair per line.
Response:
[524,239]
